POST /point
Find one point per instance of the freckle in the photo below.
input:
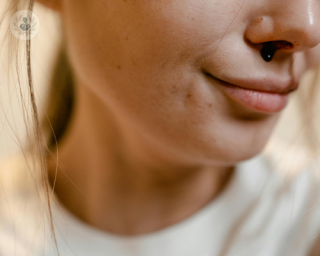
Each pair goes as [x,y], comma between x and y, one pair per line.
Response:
[210,105]
[192,18]
[189,95]
[126,38]
[119,67]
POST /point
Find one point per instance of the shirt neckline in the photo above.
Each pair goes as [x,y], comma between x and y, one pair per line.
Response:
[186,237]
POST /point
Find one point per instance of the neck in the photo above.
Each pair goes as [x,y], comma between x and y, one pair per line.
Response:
[113,178]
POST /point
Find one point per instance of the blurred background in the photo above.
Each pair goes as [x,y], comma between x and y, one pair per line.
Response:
[287,143]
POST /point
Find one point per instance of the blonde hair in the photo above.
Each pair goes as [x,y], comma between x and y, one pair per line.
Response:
[36,141]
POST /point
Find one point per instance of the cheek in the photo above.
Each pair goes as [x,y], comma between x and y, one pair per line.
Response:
[135,49]
[136,54]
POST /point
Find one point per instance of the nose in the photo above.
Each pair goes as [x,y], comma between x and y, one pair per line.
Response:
[296,22]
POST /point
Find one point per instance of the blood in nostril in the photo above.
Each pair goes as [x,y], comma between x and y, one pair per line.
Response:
[269,49]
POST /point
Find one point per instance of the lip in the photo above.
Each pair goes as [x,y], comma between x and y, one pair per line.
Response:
[260,95]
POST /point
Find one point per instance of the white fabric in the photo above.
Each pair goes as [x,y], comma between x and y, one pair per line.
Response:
[260,213]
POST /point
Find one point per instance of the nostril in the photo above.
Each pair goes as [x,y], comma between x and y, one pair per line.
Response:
[269,48]
[285,45]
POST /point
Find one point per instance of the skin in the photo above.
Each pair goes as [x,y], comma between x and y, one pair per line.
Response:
[153,139]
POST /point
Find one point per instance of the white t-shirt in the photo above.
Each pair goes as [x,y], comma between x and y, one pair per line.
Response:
[260,213]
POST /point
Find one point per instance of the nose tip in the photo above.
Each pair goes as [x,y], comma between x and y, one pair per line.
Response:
[308,28]
[293,21]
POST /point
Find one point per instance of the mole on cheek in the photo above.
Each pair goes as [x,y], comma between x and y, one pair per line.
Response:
[119,67]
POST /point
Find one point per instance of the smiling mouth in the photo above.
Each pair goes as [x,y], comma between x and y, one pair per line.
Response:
[258,96]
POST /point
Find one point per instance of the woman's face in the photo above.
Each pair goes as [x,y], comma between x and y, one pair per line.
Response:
[149,61]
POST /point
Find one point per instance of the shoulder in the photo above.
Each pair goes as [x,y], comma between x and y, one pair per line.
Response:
[283,217]
[313,175]
[296,188]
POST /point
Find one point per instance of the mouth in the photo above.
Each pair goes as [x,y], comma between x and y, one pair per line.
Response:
[264,95]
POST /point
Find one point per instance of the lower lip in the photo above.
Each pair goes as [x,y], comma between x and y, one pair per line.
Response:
[264,102]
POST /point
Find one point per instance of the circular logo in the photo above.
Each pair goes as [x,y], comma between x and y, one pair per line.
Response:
[24,22]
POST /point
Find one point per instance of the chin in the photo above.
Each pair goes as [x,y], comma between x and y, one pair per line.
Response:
[237,146]
[234,157]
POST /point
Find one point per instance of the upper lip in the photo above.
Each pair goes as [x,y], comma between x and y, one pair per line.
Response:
[264,84]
